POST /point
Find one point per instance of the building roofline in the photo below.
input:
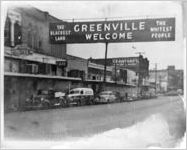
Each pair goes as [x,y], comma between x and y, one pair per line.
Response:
[165,70]
[68,55]
[37,9]
[45,12]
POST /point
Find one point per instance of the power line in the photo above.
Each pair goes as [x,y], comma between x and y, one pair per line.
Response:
[114,18]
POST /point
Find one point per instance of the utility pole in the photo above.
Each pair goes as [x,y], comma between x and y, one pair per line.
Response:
[106,50]
[115,73]
[140,54]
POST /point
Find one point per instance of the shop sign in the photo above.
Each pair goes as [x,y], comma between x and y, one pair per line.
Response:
[126,61]
[62,63]
[139,30]
[19,52]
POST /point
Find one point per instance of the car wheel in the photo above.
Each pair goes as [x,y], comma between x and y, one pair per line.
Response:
[62,104]
[46,105]
[78,103]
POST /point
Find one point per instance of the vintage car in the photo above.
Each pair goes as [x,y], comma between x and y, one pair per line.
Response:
[172,93]
[108,97]
[46,99]
[80,96]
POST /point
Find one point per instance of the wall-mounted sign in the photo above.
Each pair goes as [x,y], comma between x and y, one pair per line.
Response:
[62,63]
[139,30]
[21,50]
[126,61]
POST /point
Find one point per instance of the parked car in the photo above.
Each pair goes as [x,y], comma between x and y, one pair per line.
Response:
[47,99]
[132,97]
[108,97]
[145,96]
[81,96]
[180,91]
[172,93]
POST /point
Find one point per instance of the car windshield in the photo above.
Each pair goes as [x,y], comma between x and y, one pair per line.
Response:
[42,92]
[105,93]
[74,92]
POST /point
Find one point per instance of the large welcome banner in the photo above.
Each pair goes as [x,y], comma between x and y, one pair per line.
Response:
[139,30]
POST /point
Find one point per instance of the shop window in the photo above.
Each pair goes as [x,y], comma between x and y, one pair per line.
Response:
[54,69]
[22,66]
[93,77]
[98,77]
[89,76]
[7,32]
[48,68]
[17,34]
[29,39]
[40,44]
[40,35]
[42,68]
[36,38]
[32,68]
[30,36]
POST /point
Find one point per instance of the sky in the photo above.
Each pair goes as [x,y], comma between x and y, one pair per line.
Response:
[162,53]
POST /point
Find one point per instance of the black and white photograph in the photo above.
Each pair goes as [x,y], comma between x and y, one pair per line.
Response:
[93,74]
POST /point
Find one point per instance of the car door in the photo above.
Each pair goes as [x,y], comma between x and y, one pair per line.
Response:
[112,97]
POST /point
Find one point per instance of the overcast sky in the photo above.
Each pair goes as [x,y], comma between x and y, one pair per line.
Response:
[163,53]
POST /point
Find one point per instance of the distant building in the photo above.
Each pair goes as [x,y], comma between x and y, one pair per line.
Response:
[166,79]
[77,67]
[124,65]
[175,78]
[96,72]
[124,75]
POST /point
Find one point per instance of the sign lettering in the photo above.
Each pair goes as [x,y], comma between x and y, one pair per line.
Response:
[140,30]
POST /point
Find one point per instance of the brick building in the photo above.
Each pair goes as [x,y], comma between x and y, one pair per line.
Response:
[124,68]
[77,67]
[26,40]
[96,72]
[166,79]
[32,63]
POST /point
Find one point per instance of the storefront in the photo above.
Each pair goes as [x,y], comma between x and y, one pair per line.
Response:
[32,63]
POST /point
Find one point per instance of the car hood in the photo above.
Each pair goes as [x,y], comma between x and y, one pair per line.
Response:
[72,95]
[41,96]
[104,96]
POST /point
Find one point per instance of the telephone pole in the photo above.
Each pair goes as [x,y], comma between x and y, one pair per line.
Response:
[105,65]
[139,85]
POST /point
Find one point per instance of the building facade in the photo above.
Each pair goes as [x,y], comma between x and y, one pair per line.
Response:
[27,47]
[77,67]
[96,72]
[135,69]
[32,63]
[166,80]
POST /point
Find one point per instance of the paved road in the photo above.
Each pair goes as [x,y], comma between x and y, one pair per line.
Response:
[58,124]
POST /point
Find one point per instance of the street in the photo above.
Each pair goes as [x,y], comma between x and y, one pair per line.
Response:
[96,75]
[86,121]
